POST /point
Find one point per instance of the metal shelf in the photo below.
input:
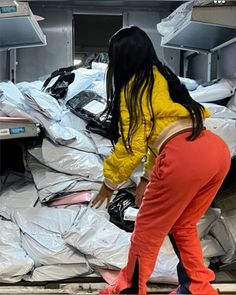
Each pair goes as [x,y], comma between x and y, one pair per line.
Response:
[11,128]
[208,29]
[18,26]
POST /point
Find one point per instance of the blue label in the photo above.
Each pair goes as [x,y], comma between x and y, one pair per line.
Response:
[8,9]
[17,130]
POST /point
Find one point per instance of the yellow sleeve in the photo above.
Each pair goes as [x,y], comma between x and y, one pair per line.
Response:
[120,164]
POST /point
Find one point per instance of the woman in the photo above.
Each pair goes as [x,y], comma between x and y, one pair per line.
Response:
[153,115]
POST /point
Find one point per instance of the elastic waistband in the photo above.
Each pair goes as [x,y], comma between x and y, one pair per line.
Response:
[178,127]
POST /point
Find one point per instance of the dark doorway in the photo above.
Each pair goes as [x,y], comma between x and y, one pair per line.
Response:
[92,33]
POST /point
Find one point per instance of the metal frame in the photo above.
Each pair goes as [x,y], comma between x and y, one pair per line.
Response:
[221,20]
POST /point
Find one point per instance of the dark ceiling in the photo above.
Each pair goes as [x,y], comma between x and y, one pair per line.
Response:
[114,4]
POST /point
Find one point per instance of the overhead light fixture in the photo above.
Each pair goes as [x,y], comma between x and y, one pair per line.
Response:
[15,2]
[220,1]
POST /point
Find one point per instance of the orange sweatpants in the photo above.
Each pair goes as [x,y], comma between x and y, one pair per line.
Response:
[184,181]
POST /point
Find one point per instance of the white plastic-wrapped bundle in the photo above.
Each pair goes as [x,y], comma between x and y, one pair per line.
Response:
[107,246]
[24,86]
[232,102]
[103,145]
[217,91]
[44,103]
[69,160]
[219,111]
[165,269]
[96,236]
[83,79]
[12,110]
[178,16]
[57,272]
[41,230]
[189,83]
[20,194]
[15,263]
[13,95]
[225,128]
[51,183]
[99,87]
[101,68]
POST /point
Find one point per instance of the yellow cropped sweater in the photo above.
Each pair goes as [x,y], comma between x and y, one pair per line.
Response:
[120,164]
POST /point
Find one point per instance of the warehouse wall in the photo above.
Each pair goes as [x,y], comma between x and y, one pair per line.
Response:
[3,65]
[57,26]
[148,24]
[228,61]
[38,61]
[227,64]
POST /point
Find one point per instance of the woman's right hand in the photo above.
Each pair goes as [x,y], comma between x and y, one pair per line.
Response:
[141,187]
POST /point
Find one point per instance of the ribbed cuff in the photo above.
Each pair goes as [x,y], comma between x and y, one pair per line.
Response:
[111,185]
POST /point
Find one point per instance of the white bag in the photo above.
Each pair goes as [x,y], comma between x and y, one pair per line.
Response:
[94,235]
[44,103]
[83,79]
[41,230]
[15,263]
[13,95]
[218,91]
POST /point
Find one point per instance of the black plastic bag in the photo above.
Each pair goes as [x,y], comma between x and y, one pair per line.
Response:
[121,202]
[60,88]
[79,105]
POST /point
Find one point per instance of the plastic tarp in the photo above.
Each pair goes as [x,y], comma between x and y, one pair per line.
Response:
[227,203]
[83,143]
[15,263]
[230,221]
[2,114]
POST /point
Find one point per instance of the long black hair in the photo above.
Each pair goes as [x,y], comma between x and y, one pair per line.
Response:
[131,60]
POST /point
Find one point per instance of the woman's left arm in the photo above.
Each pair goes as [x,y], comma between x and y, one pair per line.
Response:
[120,164]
